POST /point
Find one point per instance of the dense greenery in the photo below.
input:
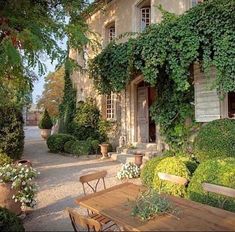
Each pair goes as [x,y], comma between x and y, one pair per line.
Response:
[45,122]
[5,159]
[174,166]
[87,122]
[148,171]
[56,142]
[164,54]
[67,108]
[215,171]
[11,132]
[31,30]
[10,222]
[215,139]
[81,148]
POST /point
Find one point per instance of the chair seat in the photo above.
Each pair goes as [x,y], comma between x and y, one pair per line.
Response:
[101,219]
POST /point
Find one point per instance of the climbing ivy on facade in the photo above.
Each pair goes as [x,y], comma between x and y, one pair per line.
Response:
[165,54]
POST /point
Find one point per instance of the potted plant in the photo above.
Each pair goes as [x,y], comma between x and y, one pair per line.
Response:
[138,159]
[17,188]
[45,125]
[104,148]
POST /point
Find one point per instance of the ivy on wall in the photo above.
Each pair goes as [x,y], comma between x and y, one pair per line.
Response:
[164,54]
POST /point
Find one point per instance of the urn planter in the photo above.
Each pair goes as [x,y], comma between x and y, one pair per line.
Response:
[24,162]
[45,133]
[104,150]
[138,159]
[6,194]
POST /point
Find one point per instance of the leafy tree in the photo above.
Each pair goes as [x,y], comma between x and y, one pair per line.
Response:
[46,122]
[31,29]
[53,92]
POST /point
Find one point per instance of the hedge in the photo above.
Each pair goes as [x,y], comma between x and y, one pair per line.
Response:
[215,139]
[5,159]
[11,132]
[215,171]
[10,222]
[56,142]
[174,166]
[81,148]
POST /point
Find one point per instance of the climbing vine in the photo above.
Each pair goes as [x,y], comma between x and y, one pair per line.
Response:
[165,53]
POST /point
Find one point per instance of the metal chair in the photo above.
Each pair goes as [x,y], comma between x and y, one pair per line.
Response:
[221,190]
[86,181]
[86,223]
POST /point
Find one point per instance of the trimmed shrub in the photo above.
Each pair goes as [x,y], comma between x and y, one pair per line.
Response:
[68,146]
[174,166]
[95,146]
[190,163]
[216,139]
[5,159]
[215,171]
[11,132]
[147,173]
[81,148]
[45,122]
[56,142]
[10,222]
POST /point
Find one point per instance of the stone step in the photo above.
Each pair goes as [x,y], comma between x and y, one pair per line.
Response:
[149,146]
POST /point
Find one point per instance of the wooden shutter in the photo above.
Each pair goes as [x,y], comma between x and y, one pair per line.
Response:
[207,102]
[104,107]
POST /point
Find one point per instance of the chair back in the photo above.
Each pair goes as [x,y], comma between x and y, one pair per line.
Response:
[228,192]
[97,177]
[86,223]
[172,178]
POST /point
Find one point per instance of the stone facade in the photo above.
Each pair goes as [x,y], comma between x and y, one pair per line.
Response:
[128,110]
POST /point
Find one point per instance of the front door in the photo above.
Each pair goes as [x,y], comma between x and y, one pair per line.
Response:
[142,115]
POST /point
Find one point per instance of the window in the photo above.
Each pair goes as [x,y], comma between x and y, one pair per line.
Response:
[231,105]
[110,106]
[111,33]
[145,17]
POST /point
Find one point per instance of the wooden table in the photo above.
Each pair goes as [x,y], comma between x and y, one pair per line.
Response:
[115,204]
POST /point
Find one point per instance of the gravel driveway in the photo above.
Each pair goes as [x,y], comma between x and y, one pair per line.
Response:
[58,183]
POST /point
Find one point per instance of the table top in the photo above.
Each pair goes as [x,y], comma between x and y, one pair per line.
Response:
[115,203]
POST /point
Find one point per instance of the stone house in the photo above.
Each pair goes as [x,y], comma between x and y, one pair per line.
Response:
[129,110]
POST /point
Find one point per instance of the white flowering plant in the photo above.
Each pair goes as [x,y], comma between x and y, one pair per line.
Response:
[21,178]
[128,171]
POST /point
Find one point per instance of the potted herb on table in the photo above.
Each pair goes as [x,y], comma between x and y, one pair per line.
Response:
[45,125]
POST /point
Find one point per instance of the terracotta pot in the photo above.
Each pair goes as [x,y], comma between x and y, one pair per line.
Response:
[45,133]
[24,162]
[138,159]
[104,150]
[6,194]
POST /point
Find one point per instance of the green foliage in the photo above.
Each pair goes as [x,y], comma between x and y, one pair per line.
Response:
[33,28]
[150,204]
[45,122]
[68,146]
[81,148]
[11,132]
[87,122]
[10,222]
[95,146]
[164,54]
[216,171]
[174,166]
[215,139]
[56,142]
[67,108]
[148,171]
[5,159]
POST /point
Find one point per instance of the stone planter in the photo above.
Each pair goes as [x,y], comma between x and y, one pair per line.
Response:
[45,133]
[138,159]
[24,162]
[6,194]
[104,150]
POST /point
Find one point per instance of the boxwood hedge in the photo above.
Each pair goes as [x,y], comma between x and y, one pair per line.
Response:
[56,142]
[174,166]
[215,139]
[215,171]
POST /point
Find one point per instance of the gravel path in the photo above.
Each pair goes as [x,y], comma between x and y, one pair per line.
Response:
[58,183]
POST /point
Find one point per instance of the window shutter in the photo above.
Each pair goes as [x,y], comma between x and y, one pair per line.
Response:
[104,107]
[207,102]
